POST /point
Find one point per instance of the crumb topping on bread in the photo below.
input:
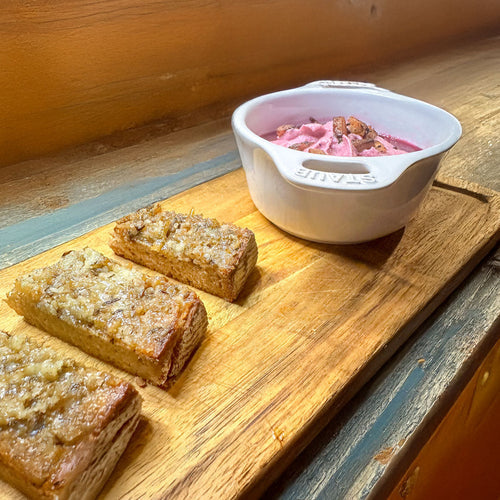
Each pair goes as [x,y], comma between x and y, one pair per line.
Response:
[205,242]
[48,404]
[117,302]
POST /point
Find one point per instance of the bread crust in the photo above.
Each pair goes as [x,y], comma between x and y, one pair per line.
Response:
[65,444]
[203,253]
[142,324]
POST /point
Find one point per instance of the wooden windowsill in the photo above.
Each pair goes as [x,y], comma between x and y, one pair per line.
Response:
[54,198]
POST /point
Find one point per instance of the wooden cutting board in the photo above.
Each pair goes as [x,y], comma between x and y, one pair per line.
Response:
[312,325]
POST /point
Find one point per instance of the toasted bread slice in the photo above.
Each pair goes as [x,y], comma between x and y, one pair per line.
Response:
[146,325]
[203,253]
[62,427]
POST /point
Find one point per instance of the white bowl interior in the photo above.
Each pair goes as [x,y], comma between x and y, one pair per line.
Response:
[415,121]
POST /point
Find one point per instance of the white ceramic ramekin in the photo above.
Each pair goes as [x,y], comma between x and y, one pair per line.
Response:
[336,199]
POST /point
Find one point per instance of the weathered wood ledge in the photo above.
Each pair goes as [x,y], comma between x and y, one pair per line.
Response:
[55,198]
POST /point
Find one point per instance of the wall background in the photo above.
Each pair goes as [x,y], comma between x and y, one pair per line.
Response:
[76,70]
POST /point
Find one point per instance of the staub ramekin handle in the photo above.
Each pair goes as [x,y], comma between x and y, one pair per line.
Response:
[341,84]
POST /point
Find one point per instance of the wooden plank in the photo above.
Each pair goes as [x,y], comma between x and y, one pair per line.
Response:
[126,166]
[85,188]
[314,323]
[367,448]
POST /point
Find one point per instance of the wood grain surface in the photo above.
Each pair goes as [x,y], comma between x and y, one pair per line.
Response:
[365,450]
[73,71]
[313,323]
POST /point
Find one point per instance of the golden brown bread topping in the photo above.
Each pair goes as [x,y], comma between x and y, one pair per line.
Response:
[116,302]
[205,242]
[47,405]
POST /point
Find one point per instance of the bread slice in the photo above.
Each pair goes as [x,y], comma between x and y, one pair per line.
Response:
[146,325]
[203,253]
[62,427]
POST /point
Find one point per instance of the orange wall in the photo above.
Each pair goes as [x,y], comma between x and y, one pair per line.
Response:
[72,71]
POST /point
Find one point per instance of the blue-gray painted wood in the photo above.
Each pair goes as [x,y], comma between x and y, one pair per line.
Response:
[34,235]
